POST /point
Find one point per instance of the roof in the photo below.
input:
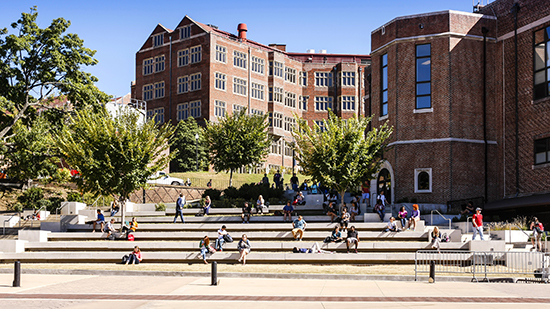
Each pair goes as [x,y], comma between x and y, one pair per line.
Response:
[524,201]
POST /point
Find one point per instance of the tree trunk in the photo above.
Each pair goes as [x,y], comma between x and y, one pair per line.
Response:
[231,177]
[342,200]
[122,212]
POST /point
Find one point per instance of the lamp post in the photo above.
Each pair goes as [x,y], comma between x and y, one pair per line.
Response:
[197,151]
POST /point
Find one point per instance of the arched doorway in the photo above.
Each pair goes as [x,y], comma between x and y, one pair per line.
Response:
[384,184]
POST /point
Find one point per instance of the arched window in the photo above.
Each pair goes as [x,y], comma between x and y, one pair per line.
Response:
[423,180]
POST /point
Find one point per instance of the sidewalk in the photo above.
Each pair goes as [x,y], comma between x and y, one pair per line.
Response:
[83,291]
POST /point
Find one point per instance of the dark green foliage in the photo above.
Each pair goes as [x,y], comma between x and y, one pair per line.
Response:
[213,193]
[47,204]
[237,140]
[184,141]
[30,197]
[74,197]
[55,203]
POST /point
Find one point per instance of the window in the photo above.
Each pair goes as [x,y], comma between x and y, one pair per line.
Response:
[275,68]
[220,81]
[148,92]
[159,90]
[157,115]
[183,57]
[185,32]
[256,112]
[159,63]
[348,102]
[423,76]
[148,66]
[219,108]
[290,75]
[237,108]
[320,125]
[384,88]
[257,91]
[196,54]
[221,53]
[158,40]
[542,63]
[290,99]
[239,59]
[423,180]
[277,146]
[303,79]
[276,94]
[290,123]
[348,79]
[323,103]
[195,109]
[303,102]
[257,65]
[276,120]
[323,79]
[195,82]
[542,151]
[183,111]
[288,150]
[239,86]
[183,85]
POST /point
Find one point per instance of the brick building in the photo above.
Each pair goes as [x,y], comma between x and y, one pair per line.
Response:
[201,71]
[446,81]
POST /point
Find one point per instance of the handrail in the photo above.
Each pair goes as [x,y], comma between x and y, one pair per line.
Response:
[442,216]
[63,204]
[43,207]
[97,199]
[7,220]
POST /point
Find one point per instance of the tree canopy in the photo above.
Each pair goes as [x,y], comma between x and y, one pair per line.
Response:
[237,140]
[115,156]
[343,154]
[184,141]
[35,65]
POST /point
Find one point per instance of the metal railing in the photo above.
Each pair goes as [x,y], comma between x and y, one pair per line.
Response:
[432,217]
[8,220]
[58,209]
[483,264]
[41,208]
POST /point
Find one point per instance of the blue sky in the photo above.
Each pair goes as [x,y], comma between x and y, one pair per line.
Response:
[118,28]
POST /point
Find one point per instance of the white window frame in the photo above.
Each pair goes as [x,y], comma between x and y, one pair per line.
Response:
[323,102]
[237,108]
[195,82]
[183,84]
[417,172]
[303,78]
[158,39]
[195,109]
[239,59]
[159,63]
[257,91]
[195,54]
[257,65]
[183,57]
[159,90]
[148,66]
[347,79]
[220,81]
[221,53]
[323,79]
[290,75]
[290,99]
[182,111]
[239,86]
[347,102]
[148,92]
[219,108]
[185,32]
[304,100]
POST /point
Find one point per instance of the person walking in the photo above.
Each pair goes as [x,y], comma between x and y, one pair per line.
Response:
[294,182]
[538,230]
[477,221]
[180,203]
[277,180]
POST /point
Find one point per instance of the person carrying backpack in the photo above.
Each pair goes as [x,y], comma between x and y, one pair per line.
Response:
[538,230]
[179,208]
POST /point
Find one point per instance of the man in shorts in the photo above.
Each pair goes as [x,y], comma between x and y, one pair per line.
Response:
[353,237]
[100,220]
[298,227]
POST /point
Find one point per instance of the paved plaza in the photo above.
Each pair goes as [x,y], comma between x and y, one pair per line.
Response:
[92,291]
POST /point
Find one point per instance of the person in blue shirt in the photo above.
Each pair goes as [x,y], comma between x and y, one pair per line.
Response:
[298,227]
[179,208]
[100,220]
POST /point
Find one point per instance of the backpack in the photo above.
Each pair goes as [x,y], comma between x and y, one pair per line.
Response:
[227,238]
[125,259]
[277,213]
[539,228]
[111,237]
[444,237]
[327,240]
[130,237]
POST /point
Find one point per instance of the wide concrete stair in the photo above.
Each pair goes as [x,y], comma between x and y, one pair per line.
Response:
[162,241]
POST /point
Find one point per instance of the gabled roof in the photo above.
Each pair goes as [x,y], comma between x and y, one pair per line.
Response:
[158,29]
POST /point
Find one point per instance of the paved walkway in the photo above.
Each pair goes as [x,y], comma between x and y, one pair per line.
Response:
[82,291]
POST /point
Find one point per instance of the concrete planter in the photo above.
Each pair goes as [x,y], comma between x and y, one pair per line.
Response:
[511,236]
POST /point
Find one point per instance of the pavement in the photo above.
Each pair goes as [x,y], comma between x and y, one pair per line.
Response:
[98,291]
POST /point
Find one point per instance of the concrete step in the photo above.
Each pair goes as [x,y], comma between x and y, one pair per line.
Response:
[253,219]
[221,257]
[213,227]
[274,236]
[364,246]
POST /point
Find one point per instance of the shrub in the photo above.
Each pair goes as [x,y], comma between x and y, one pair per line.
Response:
[62,175]
[30,197]
[55,203]
[16,207]
[47,204]
[275,201]
[160,207]
[213,193]
[88,198]
[74,196]
[230,193]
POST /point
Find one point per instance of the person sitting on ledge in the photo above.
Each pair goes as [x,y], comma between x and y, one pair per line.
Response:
[100,220]
[354,211]
[109,228]
[335,236]
[298,228]
[415,217]
[392,226]
[287,212]
[353,238]
[380,209]
[135,256]
[332,212]
[245,216]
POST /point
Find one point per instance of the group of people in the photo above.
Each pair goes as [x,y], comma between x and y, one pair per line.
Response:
[243,246]
[407,222]
[127,229]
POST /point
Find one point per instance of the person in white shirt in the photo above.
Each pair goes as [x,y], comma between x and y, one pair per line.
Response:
[221,240]
[392,226]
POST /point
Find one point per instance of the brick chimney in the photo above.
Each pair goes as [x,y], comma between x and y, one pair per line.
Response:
[242,31]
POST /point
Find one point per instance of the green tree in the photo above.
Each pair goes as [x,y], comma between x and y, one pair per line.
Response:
[36,64]
[185,142]
[344,154]
[115,156]
[236,141]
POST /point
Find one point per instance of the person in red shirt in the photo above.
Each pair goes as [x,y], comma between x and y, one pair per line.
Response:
[477,221]
[538,230]
[366,193]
